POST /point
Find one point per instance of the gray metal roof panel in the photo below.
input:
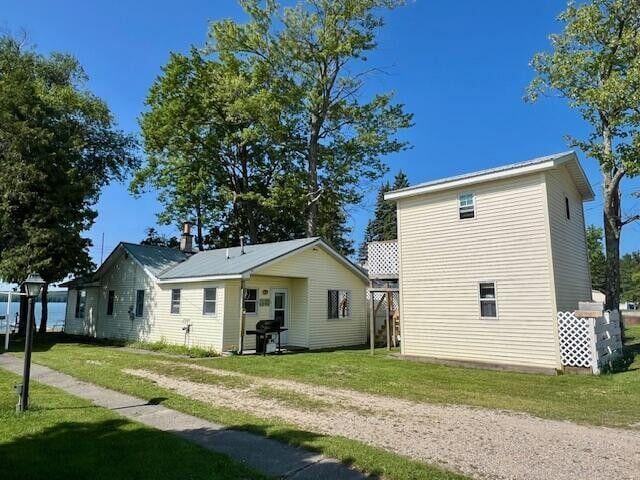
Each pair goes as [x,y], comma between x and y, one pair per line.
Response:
[154,258]
[215,262]
[487,171]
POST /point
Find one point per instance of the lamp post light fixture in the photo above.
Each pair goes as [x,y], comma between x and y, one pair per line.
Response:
[32,286]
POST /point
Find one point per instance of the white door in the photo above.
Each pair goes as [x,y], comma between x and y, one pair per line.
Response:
[280,310]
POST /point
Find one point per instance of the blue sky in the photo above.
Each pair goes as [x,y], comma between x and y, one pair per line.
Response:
[462,71]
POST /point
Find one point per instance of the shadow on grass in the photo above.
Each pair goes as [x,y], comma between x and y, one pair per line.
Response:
[107,450]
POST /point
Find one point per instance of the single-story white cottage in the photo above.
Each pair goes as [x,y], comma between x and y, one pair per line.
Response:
[487,259]
[194,298]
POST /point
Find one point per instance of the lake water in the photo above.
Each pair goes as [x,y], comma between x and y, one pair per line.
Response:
[56,314]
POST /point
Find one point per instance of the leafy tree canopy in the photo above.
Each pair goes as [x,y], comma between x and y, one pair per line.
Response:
[58,148]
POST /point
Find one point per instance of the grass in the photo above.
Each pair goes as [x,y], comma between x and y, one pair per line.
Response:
[164,347]
[103,366]
[63,437]
[610,399]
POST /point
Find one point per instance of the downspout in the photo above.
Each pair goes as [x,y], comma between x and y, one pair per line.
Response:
[241,332]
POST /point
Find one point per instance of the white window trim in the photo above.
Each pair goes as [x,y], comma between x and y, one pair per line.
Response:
[349,305]
[475,206]
[495,291]
[214,301]
[171,301]
[135,307]
[257,301]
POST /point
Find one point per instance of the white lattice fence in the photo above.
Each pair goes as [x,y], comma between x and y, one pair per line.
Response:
[382,259]
[575,340]
[589,342]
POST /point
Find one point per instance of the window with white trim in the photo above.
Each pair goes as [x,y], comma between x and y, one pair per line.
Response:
[338,304]
[81,300]
[466,205]
[209,301]
[251,300]
[175,300]
[139,302]
[111,296]
[488,301]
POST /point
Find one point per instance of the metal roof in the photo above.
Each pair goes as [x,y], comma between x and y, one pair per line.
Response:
[214,263]
[548,161]
[154,258]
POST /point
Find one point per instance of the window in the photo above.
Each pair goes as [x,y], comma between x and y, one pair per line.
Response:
[110,299]
[338,304]
[175,300]
[209,301]
[488,306]
[81,300]
[466,205]
[566,208]
[251,300]
[139,302]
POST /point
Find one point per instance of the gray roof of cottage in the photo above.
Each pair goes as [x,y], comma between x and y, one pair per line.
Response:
[212,263]
[154,258]
[568,157]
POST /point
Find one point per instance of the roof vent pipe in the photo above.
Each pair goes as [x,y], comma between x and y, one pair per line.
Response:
[242,245]
[227,254]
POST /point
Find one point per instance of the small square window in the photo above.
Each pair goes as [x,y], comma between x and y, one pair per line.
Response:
[209,301]
[488,302]
[466,205]
[251,300]
[175,300]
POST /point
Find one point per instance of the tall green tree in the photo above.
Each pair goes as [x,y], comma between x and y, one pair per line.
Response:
[58,147]
[630,276]
[213,136]
[595,66]
[318,50]
[597,259]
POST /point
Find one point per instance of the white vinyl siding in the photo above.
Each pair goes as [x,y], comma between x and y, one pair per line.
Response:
[443,260]
[156,322]
[324,272]
[568,241]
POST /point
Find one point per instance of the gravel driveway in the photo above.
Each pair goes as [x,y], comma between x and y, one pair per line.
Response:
[478,442]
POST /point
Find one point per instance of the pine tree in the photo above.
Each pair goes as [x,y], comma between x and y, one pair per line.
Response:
[384,224]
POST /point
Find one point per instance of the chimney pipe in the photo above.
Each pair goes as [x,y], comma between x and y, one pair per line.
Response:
[186,239]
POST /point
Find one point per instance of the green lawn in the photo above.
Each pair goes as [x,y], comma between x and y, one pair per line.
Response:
[64,437]
[611,399]
[102,365]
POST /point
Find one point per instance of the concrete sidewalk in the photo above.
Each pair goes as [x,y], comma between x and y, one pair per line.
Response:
[268,456]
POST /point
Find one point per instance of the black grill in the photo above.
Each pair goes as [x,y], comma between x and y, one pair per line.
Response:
[265,329]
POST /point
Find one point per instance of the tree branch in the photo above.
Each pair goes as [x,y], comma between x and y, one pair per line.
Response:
[631,219]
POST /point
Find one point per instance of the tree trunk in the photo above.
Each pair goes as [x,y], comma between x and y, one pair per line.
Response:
[22,321]
[247,210]
[612,223]
[45,309]
[312,188]
[199,238]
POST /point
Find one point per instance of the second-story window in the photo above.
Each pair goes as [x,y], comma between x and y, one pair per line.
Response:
[466,205]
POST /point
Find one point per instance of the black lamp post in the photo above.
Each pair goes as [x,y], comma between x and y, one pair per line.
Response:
[33,286]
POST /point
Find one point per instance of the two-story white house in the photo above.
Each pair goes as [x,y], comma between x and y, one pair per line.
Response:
[487,259]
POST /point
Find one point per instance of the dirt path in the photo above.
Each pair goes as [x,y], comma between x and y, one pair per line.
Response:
[478,442]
